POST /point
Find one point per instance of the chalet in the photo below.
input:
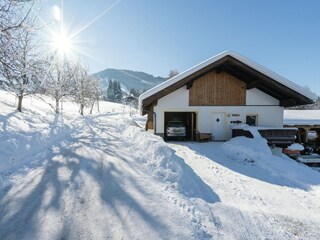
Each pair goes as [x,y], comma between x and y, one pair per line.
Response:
[220,93]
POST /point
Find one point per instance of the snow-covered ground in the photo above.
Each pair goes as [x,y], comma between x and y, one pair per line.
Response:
[102,176]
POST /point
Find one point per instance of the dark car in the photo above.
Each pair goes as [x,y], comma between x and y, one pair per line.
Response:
[176,129]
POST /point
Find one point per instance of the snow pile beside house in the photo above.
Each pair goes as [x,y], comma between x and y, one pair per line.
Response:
[164,164]
[259,199]
[281,170]
[248,149]
[155,153]
[296,147]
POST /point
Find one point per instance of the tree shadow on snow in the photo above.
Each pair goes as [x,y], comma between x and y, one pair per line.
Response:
[61,186]
[20,145]
[191,185]
[4,119]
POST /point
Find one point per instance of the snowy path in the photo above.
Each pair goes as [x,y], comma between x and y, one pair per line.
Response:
[89,186]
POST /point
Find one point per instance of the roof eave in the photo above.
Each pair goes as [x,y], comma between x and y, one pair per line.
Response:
[300,96]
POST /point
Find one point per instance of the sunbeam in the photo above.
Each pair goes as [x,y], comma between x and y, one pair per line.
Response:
[95,19]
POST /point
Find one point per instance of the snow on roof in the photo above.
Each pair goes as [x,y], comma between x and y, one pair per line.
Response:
[303,91]
[254,130]
[301,117]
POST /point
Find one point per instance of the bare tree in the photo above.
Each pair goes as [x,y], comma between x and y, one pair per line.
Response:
[96,94]
[82,85]
[19,63]
[173,73]
[13,14]
[57,78]
[87,89]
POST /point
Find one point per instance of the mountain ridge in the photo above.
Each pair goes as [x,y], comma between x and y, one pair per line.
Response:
[129,79]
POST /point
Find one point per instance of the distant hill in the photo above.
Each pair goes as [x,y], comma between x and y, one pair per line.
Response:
[129,79]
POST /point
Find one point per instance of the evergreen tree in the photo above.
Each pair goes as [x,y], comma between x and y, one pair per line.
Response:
[110,90]
[134,92]
[117,92]
[114,92]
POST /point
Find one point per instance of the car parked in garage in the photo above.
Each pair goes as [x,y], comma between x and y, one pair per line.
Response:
[176,129]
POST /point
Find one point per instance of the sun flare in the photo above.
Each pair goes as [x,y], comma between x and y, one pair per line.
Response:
[62,43]
[63,40]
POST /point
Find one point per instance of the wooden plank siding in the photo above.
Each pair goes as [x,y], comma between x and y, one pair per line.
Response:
[217,89]
[149,123]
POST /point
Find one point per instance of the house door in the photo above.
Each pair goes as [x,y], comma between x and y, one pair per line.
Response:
[218,126]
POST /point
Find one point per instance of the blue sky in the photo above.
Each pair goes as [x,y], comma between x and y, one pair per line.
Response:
[157,36]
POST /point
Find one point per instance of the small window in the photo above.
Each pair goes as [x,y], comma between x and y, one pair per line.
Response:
[252,120]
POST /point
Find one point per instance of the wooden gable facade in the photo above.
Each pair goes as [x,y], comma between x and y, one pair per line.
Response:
[217,89]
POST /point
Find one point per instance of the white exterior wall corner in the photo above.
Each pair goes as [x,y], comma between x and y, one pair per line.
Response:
[267,108]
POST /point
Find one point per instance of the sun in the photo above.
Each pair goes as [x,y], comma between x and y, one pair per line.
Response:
[61,39]
[62,43]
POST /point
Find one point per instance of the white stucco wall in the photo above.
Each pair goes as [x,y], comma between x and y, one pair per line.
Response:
[256,97]
[178,101]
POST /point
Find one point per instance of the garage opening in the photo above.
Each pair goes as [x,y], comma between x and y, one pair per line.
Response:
[187,118]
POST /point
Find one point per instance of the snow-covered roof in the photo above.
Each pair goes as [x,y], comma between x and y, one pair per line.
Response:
[293,86]
[301,117]
[254,130]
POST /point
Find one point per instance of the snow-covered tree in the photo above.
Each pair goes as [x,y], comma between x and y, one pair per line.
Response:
[12,16]
[87,89]
[19,63]
[97,92]
[82,86]
[17,55]
[57,81]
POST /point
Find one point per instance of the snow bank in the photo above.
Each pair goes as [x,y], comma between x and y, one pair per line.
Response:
[166,166]
[153,152]
[268,167]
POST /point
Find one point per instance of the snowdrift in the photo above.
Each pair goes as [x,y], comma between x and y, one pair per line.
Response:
[268,167]
[165,165]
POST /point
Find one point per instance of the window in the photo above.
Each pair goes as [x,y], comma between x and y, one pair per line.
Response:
[252,120]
